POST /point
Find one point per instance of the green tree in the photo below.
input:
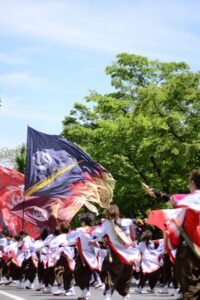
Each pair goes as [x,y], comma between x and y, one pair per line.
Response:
[21,159]
[147,129]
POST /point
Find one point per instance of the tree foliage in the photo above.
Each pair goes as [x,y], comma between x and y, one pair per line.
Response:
[147,129]
[21,159]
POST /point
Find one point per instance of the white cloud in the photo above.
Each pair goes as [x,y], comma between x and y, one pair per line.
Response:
[146,27]
[38,31]
[20,79]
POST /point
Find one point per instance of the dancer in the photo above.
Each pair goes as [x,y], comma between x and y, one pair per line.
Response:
[187,261]
[117,267]
[151,252]
[86,260]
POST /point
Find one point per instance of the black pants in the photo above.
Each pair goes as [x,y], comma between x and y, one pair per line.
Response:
[63,273]
[15,272]
[116,275]
[152,277]
[82,273]
[49,276]
[41,271]
[187,272]
[29,270]
[168,272]
[4,270]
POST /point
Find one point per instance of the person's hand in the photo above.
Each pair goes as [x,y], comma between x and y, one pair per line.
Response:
[148,190]
[151,192]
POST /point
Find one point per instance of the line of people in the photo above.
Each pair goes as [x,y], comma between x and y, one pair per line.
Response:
[109,254]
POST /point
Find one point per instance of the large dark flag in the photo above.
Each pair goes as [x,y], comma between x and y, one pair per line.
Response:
[60,179]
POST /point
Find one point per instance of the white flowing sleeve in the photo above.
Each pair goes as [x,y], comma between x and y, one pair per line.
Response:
[99,232]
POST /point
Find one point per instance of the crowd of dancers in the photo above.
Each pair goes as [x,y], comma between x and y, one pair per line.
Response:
[107,256]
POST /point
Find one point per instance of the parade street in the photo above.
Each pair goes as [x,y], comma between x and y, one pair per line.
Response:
[11,292]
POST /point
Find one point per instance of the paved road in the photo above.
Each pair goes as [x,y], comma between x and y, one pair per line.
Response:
[11,292]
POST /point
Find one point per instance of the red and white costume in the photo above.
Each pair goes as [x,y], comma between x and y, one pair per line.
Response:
[151,255]
[128,254]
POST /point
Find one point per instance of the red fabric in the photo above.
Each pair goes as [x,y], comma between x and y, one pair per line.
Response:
[12,205]
[192,225]
[164,219]
[110,245]
[157,218]
[179,197]
[192,217]
[11,194]
[79,246]
[47,211]
[10,179]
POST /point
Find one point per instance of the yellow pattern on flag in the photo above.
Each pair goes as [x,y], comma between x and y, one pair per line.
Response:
[49,180]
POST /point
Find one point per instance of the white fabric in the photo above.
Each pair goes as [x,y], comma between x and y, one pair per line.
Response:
[88,251]
[60,245]
[190,201]
[151,256]
[129,254]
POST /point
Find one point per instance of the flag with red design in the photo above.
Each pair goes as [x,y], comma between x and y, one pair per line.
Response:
[49,211]
[186,215]
[168,220]
[60,169]
[37,212]
[12,194]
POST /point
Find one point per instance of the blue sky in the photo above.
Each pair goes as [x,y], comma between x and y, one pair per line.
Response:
[53,52]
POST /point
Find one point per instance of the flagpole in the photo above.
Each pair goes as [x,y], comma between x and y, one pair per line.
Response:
[23,207]
[23,212]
